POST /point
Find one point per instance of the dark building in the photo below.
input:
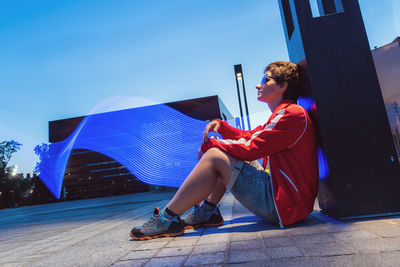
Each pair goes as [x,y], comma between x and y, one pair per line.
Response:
[386,59]
[91,174]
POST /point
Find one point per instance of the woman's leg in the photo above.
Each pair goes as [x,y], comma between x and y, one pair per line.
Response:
[203,180]
[219,191]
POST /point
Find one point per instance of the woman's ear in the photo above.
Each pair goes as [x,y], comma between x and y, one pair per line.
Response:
[283,85]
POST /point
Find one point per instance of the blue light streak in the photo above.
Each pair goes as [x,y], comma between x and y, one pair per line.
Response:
[156,143]
[308,104]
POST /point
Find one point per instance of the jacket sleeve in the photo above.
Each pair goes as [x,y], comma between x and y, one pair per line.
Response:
[283,131]
[229,132]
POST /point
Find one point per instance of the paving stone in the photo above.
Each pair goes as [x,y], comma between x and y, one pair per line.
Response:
[30,258]
[248,228]
[248,244]
[166,262]
[337,228]
[215,230]
[6,246]
[139,254]
[394,241]
[284,252]
[383,229]
[213,265]
[302,230]
[196,234]
[243,236]
[156,240]
[174,251]
[213,238]
[243,256]
[129,263]
[15,257]
[351,235]
[150,245]
[324,249]
[395,219]
[209,258]
[54,248]
[12,264]
[313,238]
[183,241]
[191,231]
[278,242]
[381,259]
[273,233]
[386,259]
[346,260]
[248,264]
[98,251]
[375,245]
[210,248]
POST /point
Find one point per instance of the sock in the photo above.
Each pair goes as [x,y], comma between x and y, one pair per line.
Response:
[209,205]
[168,213]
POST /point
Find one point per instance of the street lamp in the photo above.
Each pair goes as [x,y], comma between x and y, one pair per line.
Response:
[239,77]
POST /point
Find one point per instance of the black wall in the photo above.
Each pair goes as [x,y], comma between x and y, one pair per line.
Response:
[333,50]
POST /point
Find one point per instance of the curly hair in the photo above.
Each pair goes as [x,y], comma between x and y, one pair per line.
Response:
[285,71]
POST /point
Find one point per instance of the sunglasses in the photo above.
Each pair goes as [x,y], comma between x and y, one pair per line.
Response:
[266,78]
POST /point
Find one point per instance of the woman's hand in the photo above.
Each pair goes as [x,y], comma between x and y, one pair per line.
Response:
[200,154]
[211,127]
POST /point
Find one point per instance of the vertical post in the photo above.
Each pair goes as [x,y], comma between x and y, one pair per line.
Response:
[238,74]
[245,103]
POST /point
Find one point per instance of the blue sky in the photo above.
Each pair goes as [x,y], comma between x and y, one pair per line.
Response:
[60,59]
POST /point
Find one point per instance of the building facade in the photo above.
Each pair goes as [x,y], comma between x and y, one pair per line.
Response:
[91,174]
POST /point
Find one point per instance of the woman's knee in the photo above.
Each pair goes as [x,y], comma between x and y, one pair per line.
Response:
[215,154]
[221,160]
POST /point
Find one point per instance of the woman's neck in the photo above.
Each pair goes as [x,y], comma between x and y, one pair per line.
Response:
[274,103]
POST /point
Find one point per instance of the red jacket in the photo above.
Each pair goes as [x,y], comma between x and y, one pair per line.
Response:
[287,144]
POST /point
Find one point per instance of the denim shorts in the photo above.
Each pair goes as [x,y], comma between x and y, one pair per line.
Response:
[250,184]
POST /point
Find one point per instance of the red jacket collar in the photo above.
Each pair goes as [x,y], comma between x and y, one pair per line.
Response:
[283,104]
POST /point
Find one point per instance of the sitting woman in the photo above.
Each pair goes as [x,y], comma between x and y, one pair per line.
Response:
[284,194]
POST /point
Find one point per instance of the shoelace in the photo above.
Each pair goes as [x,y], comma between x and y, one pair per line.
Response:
[196,209]
[151,220]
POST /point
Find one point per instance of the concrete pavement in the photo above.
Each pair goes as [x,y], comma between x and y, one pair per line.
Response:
[95,232]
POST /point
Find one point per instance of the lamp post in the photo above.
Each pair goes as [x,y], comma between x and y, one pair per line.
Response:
[239,77]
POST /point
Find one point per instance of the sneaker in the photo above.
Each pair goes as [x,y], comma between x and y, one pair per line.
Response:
[201,217]
[158,226]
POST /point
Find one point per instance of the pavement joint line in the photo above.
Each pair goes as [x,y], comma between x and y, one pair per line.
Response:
[191,251]
[299,247]
[265,246]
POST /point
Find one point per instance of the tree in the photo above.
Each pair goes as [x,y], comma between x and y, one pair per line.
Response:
[41,194]
[42,151]
[7,148]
